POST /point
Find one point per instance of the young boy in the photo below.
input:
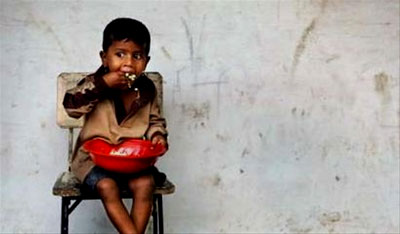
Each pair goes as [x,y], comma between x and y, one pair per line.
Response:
[116,108]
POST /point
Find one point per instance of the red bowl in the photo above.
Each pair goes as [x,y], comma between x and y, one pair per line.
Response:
[130,156]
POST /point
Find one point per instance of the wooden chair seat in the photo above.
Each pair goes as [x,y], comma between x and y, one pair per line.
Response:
[67,185]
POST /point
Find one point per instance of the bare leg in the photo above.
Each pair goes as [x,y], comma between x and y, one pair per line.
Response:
[142,189]
[116,211]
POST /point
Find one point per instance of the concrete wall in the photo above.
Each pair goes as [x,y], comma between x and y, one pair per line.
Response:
[283,115]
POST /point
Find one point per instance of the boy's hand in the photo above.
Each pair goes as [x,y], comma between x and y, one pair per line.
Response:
[116,80]
[159,139]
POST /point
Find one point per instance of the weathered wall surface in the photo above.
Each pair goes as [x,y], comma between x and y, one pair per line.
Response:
[283,115]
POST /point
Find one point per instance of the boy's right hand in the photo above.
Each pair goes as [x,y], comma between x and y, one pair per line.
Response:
[116,80]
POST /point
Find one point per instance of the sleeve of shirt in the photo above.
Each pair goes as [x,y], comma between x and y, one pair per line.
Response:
[157,124]
[82,98]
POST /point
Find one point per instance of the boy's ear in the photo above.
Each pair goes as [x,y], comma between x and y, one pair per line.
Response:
[103,58]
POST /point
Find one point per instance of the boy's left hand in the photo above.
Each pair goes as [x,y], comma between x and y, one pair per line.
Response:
[159,139]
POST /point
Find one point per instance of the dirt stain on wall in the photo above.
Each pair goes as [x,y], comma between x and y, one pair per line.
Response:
[166,53]
[189,38]
[197,112]
[330,219]
[301,45]
[216,180]
[382,86]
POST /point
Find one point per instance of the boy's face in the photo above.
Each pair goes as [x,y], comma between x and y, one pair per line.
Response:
[125,57]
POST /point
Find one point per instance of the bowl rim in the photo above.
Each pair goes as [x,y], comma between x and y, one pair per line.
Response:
[147,143]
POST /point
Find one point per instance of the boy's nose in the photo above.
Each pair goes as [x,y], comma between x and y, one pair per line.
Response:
[128,61]
[127,65]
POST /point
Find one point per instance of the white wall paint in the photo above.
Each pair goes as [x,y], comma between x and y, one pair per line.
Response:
[283,115]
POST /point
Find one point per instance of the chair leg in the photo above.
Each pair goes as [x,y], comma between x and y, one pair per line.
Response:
[158,220]
[64,214]
[160,214]
[155,215]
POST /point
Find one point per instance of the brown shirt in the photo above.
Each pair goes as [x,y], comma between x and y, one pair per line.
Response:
[106,119]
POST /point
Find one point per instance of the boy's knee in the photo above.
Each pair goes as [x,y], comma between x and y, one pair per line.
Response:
[106,185]
[143,183]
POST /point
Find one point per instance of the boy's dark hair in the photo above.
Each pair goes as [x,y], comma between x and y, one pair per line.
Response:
[126,29]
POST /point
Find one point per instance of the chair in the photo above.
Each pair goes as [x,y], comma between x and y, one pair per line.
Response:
[67,185]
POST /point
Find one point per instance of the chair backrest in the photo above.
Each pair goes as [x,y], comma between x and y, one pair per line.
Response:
[68,80]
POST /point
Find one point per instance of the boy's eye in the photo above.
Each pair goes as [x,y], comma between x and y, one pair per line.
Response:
[120,54]
[137,56]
